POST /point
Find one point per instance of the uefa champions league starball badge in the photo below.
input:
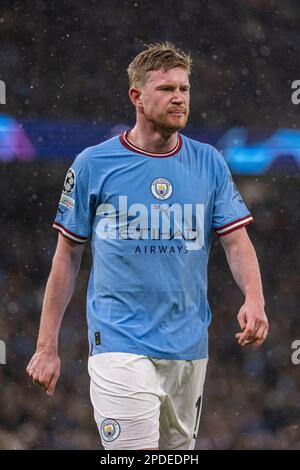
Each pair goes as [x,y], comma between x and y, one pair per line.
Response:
[161,188]
[70,181]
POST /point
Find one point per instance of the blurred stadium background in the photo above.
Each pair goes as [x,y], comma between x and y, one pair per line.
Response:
[64,65]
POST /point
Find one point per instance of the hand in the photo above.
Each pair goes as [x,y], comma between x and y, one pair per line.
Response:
[254,324]
[44,369]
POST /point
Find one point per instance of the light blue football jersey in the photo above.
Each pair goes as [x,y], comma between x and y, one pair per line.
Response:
[150,219]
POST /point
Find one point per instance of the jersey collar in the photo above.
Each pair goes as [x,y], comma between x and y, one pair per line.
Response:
[124,141]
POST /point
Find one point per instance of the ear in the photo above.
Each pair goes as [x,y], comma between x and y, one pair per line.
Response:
[135,96]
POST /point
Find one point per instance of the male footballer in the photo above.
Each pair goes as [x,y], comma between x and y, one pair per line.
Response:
[148,200]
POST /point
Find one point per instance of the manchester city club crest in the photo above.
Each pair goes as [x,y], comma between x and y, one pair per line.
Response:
[161,188]
[110,429]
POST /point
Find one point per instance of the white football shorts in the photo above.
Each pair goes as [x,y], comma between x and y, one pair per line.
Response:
[141,402]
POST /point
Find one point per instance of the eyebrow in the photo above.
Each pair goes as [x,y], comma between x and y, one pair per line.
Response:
[170,85]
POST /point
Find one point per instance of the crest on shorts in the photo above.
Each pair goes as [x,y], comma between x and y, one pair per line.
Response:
[70,181]
[110,429]
[161,188]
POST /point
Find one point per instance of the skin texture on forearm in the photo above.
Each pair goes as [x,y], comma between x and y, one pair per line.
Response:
[44,366]
[243,264]
[58,293]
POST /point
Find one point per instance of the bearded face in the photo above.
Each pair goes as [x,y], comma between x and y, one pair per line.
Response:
[165,99]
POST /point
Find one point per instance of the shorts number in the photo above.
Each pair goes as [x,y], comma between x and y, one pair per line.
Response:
[198,405]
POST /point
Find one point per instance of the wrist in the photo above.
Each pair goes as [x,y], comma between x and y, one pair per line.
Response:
[255,298]
[47,347]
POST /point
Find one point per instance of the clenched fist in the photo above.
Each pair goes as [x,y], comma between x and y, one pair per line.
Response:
[44,369]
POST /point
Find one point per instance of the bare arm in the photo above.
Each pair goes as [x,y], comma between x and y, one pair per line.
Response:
[44,367]
[244,266]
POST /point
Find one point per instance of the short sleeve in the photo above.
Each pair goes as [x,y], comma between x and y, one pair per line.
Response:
[75,210]
[230,211]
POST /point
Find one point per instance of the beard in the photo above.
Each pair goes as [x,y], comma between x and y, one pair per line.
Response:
[168,123]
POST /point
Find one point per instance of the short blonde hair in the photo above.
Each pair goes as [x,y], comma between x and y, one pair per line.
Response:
[155,57]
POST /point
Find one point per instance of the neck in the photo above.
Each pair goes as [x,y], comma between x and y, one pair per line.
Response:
[152,139]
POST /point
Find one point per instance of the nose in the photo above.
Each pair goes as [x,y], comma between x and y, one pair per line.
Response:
[178,97]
